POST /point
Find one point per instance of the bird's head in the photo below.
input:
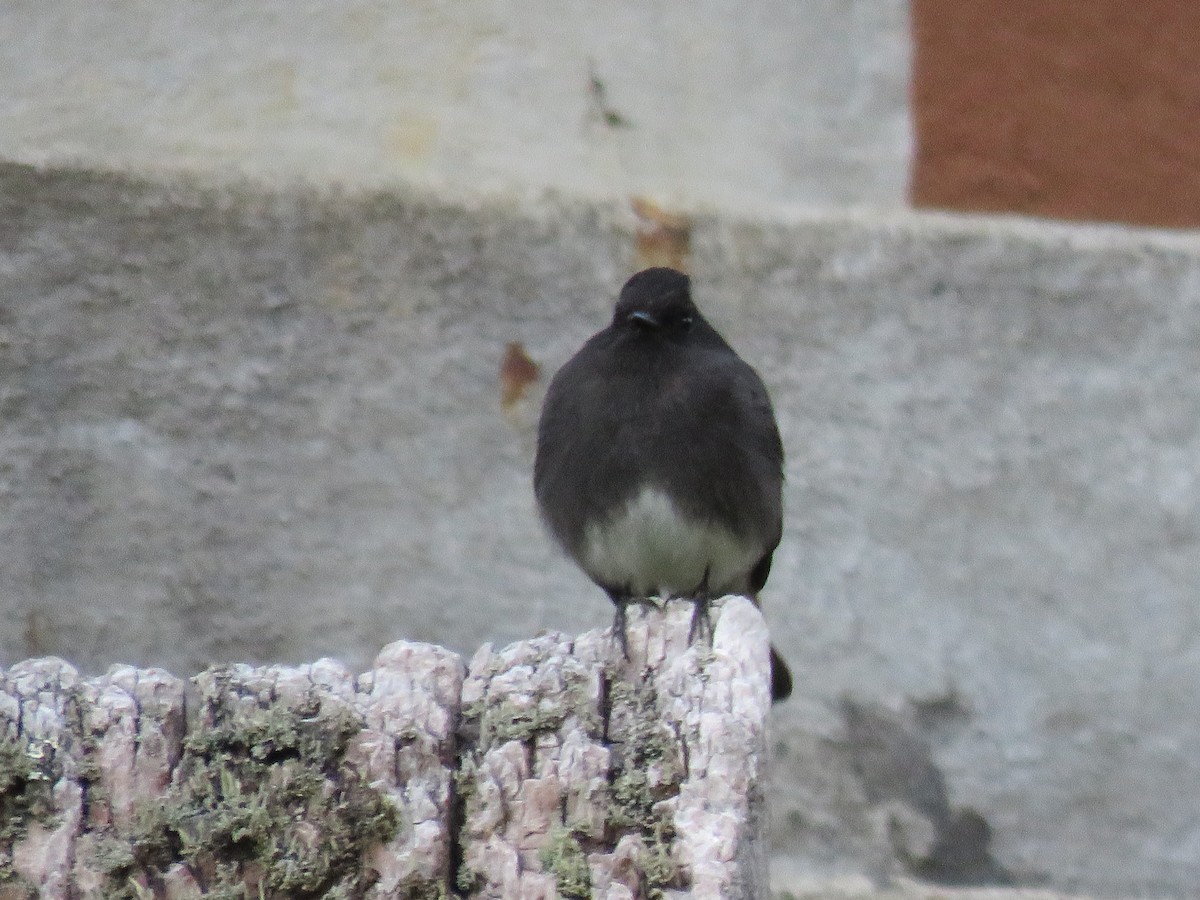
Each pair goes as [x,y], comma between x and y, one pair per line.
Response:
[658,302]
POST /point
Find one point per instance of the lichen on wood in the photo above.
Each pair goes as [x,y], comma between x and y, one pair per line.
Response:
[552,767]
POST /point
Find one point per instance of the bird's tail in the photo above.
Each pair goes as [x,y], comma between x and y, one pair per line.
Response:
[781,677]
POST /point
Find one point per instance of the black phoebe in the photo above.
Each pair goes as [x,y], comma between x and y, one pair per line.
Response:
[659,465]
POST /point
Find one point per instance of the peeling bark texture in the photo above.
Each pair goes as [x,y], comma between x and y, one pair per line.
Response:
[554,767]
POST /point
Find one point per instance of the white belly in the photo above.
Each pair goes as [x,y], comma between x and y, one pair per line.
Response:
[654,551]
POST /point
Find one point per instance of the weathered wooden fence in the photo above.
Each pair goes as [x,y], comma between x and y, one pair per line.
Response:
[552,767]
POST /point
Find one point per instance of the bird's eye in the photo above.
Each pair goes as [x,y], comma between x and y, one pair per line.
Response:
[686,322]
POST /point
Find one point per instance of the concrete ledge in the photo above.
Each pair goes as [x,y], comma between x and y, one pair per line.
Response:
[740,108]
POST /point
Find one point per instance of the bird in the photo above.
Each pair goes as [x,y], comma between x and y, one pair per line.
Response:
[659,464]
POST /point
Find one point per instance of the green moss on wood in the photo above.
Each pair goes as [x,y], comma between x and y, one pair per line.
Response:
[647,769]
[563,857]
[262,805]
[28,772]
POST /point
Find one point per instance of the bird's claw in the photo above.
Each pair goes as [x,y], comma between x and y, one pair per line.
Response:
[701,607]
[620,638]
[701,619]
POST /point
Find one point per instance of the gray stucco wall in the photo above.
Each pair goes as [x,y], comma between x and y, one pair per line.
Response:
[240,424]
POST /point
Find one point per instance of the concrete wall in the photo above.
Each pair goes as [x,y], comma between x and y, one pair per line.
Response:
[265,425]
[746,105]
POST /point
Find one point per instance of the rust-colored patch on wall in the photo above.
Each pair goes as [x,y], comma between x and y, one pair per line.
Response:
[663,238]
[1082,109]
[517,373]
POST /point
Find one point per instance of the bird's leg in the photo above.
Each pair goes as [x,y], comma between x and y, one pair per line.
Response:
[701,603]
[621,600]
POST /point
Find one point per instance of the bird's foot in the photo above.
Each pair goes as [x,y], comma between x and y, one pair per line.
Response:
[701,619]
[620,638]
[621,602]
[701,608]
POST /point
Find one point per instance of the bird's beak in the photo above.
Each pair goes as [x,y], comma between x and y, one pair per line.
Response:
[644,319]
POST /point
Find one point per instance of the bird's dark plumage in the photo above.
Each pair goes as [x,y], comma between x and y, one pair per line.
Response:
[659,464]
